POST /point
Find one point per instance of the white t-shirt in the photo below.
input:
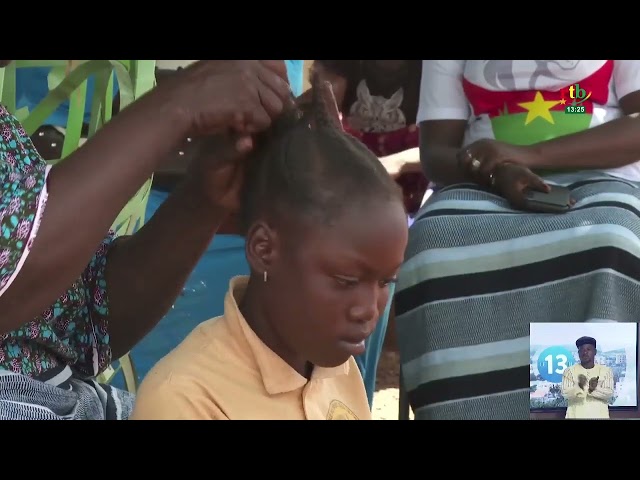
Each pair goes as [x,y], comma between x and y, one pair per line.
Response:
[524,102]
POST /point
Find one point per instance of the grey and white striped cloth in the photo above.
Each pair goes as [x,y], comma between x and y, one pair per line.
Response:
[477,273]
[62,397]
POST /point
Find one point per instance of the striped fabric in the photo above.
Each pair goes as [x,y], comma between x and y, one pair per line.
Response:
[477,273]
[61,397]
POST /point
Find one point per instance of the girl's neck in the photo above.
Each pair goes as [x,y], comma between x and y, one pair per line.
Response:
[255,311]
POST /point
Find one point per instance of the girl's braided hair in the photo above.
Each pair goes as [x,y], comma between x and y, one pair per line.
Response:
[306,164]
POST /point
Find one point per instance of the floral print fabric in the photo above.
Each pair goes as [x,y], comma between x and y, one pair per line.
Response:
[73,331]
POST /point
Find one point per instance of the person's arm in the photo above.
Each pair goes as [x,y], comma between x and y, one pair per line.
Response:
[145,273]
[89,188]
[604,390]
[443,113]
[175,164]
[173,399]
[131,282]
[570,388]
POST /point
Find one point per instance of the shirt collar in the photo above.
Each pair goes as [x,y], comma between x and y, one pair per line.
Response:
[277,375]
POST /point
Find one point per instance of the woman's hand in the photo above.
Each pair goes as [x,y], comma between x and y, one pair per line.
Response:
[219,161]
[511,180]
[482,157]
[215,96]
[94,183]
[242,98]
[217,171]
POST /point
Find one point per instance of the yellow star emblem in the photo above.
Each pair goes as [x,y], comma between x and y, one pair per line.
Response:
[539,107]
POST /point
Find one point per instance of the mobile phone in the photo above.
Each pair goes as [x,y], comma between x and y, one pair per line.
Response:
[557,200]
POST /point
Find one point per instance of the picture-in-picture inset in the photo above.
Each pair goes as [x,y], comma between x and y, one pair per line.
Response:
[583,370]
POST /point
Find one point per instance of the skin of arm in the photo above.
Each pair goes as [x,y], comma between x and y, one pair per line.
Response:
[101,173]
[95,182]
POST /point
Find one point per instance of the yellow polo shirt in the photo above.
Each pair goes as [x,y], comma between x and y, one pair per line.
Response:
[223,371]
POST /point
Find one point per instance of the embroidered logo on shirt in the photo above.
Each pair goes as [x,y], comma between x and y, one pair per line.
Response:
[339,411]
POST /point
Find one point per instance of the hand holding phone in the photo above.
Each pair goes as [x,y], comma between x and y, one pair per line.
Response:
[557,200]
[527,191]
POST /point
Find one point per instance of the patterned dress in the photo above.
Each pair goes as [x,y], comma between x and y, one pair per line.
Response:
[71,335]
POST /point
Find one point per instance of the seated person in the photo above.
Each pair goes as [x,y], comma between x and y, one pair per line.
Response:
[482,265]
[587,386]
[378,101]
[326,232]
[72,296]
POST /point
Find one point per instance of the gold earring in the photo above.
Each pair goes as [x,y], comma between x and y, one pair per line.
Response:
[265,276]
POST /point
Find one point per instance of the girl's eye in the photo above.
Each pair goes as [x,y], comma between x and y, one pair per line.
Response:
[346,281]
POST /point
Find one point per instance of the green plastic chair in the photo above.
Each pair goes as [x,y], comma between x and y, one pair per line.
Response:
[68,80]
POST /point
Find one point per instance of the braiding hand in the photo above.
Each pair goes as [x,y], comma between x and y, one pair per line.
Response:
[217,171]
[240,96]
[220,161]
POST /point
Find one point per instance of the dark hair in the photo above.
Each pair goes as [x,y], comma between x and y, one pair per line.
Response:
[306,164]
[586,340]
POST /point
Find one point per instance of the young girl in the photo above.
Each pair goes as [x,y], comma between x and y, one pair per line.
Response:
[326,232]
[378,102]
